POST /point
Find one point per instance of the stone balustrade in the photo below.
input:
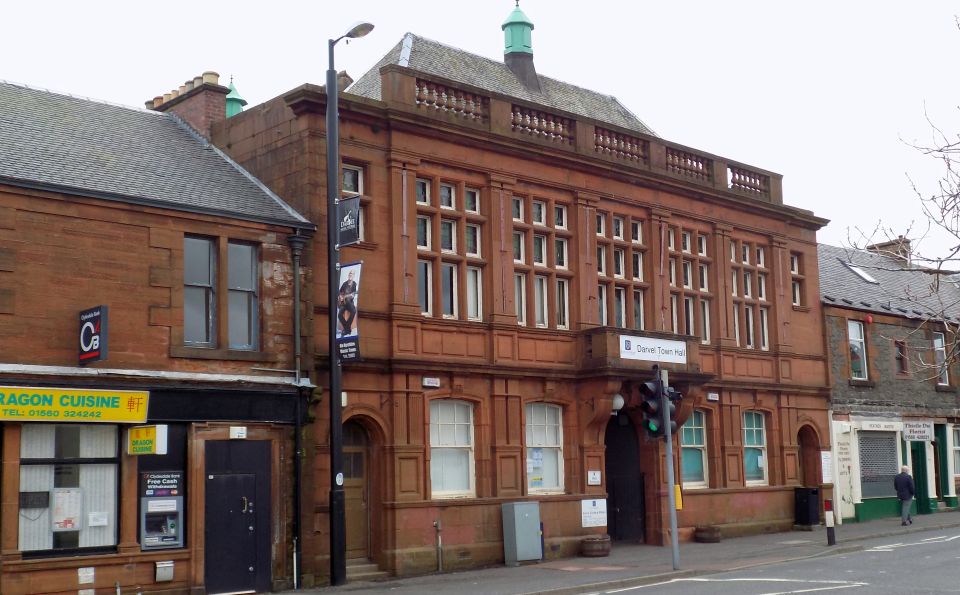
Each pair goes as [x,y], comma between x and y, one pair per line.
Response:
[579,135]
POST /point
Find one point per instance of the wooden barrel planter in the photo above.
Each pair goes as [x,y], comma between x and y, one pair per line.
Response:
[595,546]
[708,534]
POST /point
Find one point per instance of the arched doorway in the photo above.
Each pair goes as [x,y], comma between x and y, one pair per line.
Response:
[624,480]
[809,457]
[356,489]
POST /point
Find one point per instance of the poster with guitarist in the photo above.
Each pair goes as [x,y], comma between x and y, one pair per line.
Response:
[348,300]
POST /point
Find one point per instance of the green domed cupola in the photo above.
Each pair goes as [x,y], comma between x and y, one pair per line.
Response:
[235,103]
[516,32]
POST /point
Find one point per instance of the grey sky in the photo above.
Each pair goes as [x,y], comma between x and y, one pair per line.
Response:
[821,92]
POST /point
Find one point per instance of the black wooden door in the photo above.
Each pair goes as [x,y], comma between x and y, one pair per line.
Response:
[624,481]
[237,517]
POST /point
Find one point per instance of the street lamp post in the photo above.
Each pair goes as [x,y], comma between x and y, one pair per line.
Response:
[338,535]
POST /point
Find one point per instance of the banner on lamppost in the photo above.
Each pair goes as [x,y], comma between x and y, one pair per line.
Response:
[348,300]
[348,220]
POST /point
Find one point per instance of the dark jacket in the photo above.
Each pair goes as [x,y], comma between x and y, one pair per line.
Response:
[903,483]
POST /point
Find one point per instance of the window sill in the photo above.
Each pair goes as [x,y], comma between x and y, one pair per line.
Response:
[797,308]
[222,354]
[863,383]
[946,388]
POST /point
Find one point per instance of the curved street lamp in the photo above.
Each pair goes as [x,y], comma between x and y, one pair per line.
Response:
[338,541]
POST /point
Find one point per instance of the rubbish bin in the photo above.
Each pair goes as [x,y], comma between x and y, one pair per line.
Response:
[806,506]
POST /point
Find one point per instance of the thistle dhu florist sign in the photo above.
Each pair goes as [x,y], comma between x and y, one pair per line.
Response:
[30,403]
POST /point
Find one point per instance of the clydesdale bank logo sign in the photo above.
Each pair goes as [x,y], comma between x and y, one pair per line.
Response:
[653,350]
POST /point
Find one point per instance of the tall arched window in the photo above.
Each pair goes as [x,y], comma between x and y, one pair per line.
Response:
[754,448]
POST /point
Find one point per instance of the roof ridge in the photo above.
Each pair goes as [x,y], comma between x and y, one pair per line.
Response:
[79,97]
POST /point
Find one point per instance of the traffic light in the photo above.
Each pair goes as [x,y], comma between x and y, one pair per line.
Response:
[652,406]
[673,396]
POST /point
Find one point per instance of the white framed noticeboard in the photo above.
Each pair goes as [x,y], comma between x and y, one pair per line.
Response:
[67,509]
[593,513]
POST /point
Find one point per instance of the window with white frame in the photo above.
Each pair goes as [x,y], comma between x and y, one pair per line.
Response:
[702,245]
[618,264]
[539,249]
[748,327]
[940,357]
[638,313]
[636,232]
[761,257]
[540,300]
[561,253]
[471,200]
[544,447]
[956,451]
[674,315]
[519,247]
[601,224]
[672,271]
[687,274]
[689,315]
[448,235]
[539,212]
[670,240]
[352,180]
[705,322]
[754,448]
[517,208]
[560,217]
[686,241]
[423,233]
[693,451]
[471,237]
[451,449]
[77,467]
[796,279]
[764,329]
[736,326]
[422,191]
[702,270]
[520,297]
[619,306]
[638,266]
[602,304]
[448,197]
[618,228]
[858,350]
[448,288]
[762,287]
[601,260]
[563,303]
[474,293]
[425,286]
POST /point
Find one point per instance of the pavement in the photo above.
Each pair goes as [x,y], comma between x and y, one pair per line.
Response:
[631,565]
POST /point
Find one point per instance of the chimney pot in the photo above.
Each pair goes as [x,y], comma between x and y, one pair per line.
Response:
[167,97]
[149,104]
[158,101]
[188,84]
[197,81]
[174,93]
[211,77]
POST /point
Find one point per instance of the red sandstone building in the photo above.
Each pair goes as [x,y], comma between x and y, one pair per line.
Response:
[145,279]
[517,230]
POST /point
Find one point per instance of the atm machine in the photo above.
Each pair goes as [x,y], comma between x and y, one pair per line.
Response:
[161,510]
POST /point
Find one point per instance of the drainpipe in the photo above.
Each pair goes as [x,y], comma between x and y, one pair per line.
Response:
[297,243]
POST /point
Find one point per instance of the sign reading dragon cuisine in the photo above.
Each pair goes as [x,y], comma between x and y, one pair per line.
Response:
[653,350]
[29,403]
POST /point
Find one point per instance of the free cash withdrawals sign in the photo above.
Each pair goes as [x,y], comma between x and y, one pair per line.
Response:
[30,403]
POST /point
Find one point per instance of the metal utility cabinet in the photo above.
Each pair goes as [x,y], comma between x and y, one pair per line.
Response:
[521,532]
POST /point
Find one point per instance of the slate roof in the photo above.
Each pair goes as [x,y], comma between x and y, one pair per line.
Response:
[434,58]
[80,146]
[900,289]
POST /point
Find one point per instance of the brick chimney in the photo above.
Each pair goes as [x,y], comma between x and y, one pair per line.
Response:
[898,248]
[200,101]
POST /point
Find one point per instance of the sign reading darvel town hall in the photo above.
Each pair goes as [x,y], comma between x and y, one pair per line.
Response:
[653,350]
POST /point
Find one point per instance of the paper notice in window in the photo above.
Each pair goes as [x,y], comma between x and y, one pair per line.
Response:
[98,519]
[67,509]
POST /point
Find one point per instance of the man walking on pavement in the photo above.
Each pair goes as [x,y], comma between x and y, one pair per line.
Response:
[903,483]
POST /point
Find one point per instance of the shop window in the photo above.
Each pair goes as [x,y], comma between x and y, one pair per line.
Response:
[858,350]
[878,464]
[754,448]
[451,449]
[544,448]
[68,487]
[693,451]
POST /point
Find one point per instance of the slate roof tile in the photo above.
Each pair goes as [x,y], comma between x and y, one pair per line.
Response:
[57,141]
[433,58]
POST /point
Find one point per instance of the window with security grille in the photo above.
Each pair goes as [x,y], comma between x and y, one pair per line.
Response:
[878,464]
